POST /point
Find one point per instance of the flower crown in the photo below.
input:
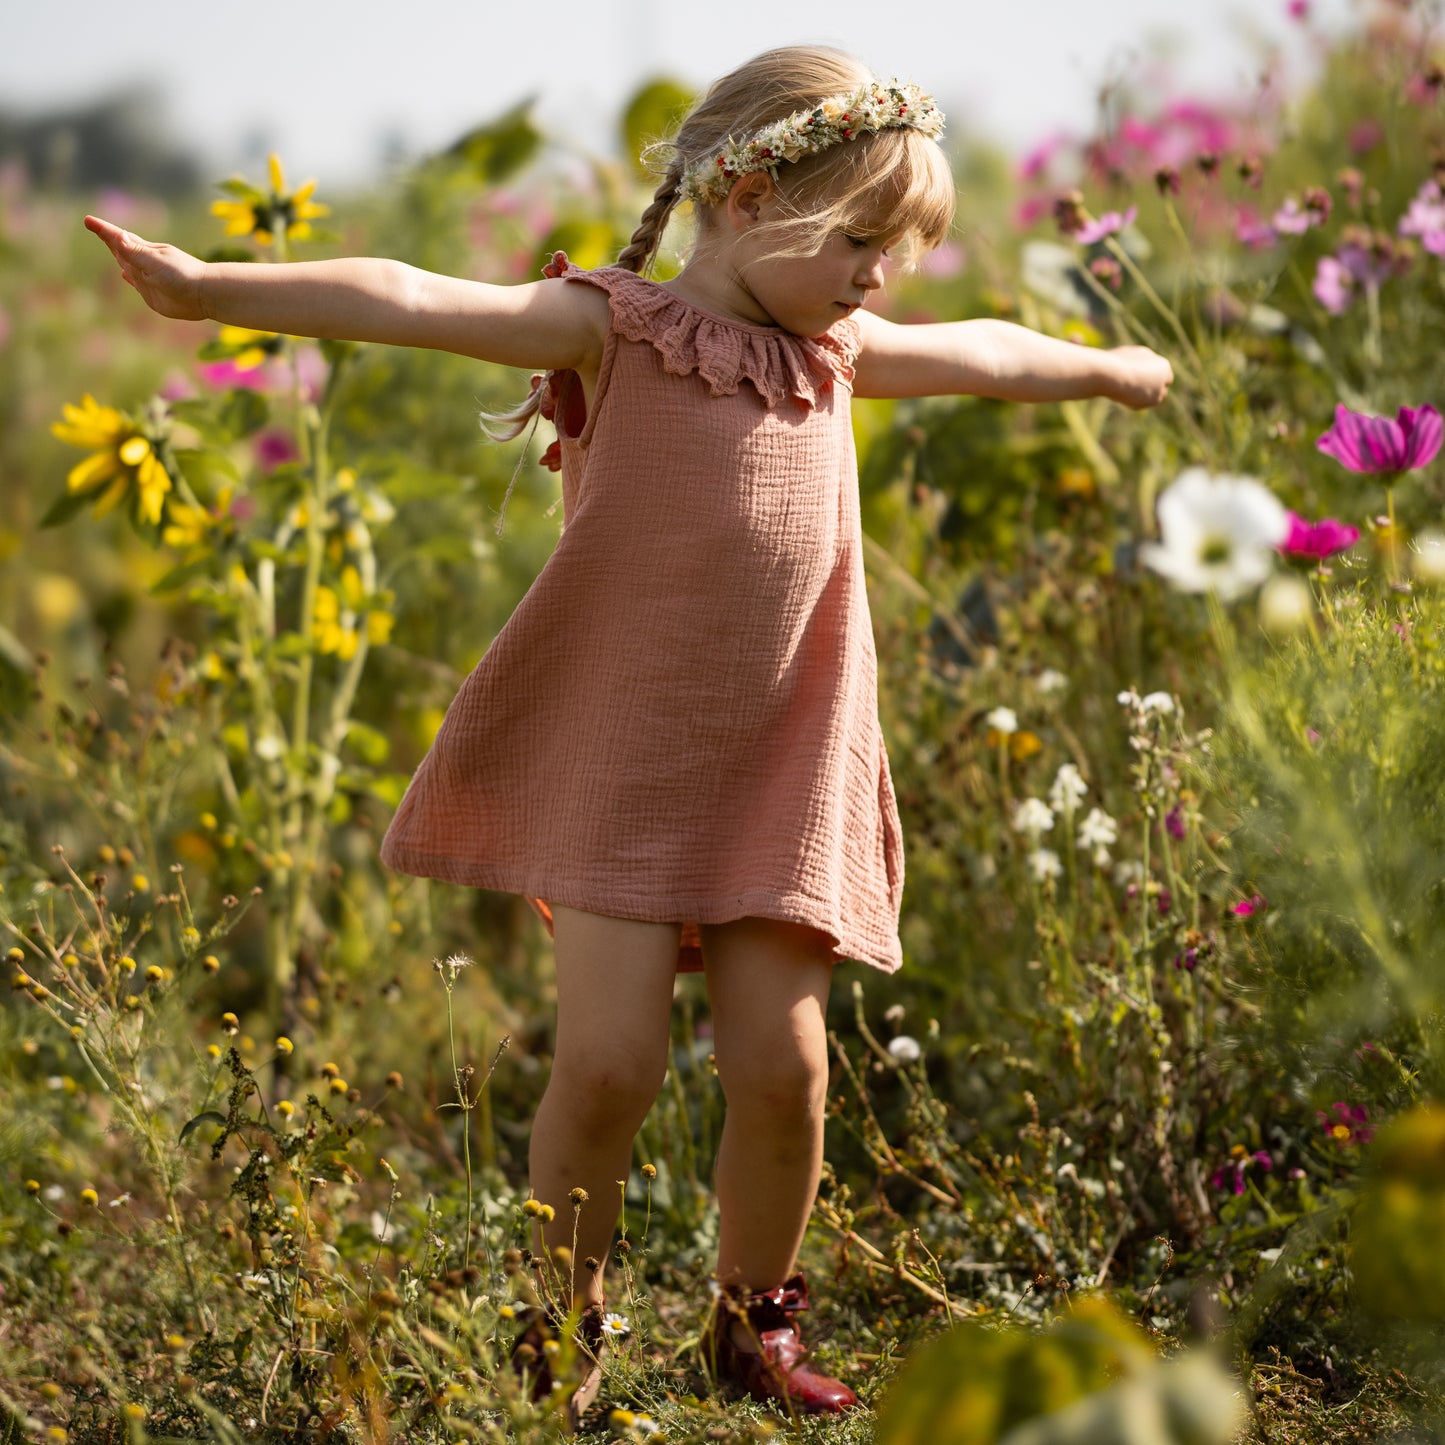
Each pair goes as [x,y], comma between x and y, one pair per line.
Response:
[872,107]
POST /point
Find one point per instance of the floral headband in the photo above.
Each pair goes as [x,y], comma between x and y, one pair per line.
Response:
[872,107]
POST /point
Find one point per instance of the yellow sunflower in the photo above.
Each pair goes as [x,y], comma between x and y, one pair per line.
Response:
[122,457]
[256,214]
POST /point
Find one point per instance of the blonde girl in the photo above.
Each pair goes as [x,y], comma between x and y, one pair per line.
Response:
[673,746]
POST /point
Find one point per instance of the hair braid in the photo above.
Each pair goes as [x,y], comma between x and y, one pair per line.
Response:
[640,250]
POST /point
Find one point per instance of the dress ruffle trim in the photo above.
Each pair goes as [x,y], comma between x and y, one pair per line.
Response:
[724,354]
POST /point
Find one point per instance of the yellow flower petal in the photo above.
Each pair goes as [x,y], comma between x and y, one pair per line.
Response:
[111,499]
[263,238]
[239,335]
[351,587]
[347,645]
[93,471]
[278,176]
[378,627]
[249,359]
[89,425]
[327,607]
[154,484]
[298,231]
[134,450]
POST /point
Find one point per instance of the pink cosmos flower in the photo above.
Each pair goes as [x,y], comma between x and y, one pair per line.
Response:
[1377,444]
[1248,907]
[1426,218]
[1251,231]
[1108,224]
[1314,541]
[1037,161]
[225,374]
[1365,135]
[1299,9]
[1334,285]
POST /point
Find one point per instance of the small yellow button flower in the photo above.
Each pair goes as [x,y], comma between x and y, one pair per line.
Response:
[89,1196]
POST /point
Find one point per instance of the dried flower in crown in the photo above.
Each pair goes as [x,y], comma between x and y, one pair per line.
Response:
[872,107]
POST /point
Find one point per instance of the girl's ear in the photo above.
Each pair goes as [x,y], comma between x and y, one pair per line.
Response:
[749,198]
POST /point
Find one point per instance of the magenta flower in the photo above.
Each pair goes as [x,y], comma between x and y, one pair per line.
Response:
[1295,218]
[1314,541]
[1299,9]
[1037,161]
[1248,907]
[1346,1124]
[226,373]
[1107,225]
[1377,444]
[1174,818]
[1229,1178]
[275,448]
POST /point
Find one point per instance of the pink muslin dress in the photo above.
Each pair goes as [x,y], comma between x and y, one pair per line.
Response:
[679,723]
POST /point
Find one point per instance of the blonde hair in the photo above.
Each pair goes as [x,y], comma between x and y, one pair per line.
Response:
[890,182]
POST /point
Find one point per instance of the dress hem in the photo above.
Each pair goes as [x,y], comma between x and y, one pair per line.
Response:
[757,903]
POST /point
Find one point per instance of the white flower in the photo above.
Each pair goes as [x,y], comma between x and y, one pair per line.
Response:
[1044,864]
[1129,698]
[1285,604]
[1099,832]
[1128,871]
[1219,533]
[905,1050]
[1159,702]
[894,1013]
[1033,816]
[1427,556]
[269,748]
[1069,787]
[382,1229]
[1003,720]
[1051,680]
[616,1325]
[451,966]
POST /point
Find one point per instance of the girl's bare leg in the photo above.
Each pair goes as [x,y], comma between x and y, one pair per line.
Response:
[768,987]
[614,1005]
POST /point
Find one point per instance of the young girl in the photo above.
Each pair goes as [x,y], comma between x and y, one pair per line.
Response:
[673,746]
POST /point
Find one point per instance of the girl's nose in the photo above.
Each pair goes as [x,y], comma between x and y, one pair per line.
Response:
[869,275]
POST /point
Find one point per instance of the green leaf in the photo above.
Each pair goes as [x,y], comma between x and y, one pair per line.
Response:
[65,506]
[226,252]
[652,115]
[588,244]
[177,577]
[244,412]
[209,1117]
[206,470]
[243,190]
[501,147]
[368,743]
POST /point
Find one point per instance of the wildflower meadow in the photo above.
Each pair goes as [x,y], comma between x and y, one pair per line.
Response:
[1145,1143]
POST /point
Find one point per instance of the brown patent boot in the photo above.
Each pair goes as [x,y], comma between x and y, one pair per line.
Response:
[776,1369]
[540,1343]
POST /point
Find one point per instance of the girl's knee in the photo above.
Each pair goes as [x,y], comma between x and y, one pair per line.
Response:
[603,1086]
[788,1082]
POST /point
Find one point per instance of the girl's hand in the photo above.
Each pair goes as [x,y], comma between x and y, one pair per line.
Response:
[168,279]
[1139,377]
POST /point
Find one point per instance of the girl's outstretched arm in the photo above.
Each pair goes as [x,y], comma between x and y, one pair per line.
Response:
[546,325]
[999,359]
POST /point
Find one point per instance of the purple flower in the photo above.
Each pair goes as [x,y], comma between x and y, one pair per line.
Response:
[1314,541]
[1292,219]
[1247,907]
[1187,959]
[1426,218]
[1174,821]
[1107,224]
[1377,444]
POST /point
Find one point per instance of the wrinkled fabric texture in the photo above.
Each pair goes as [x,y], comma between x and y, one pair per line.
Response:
[679,722]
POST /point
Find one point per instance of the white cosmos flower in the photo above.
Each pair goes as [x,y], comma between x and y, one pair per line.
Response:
[1003,720]
[1044,864]
[1219,533]
[1069,787]
[1033,816]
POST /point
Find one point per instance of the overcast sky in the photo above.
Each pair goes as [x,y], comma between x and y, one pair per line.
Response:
[329,82]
